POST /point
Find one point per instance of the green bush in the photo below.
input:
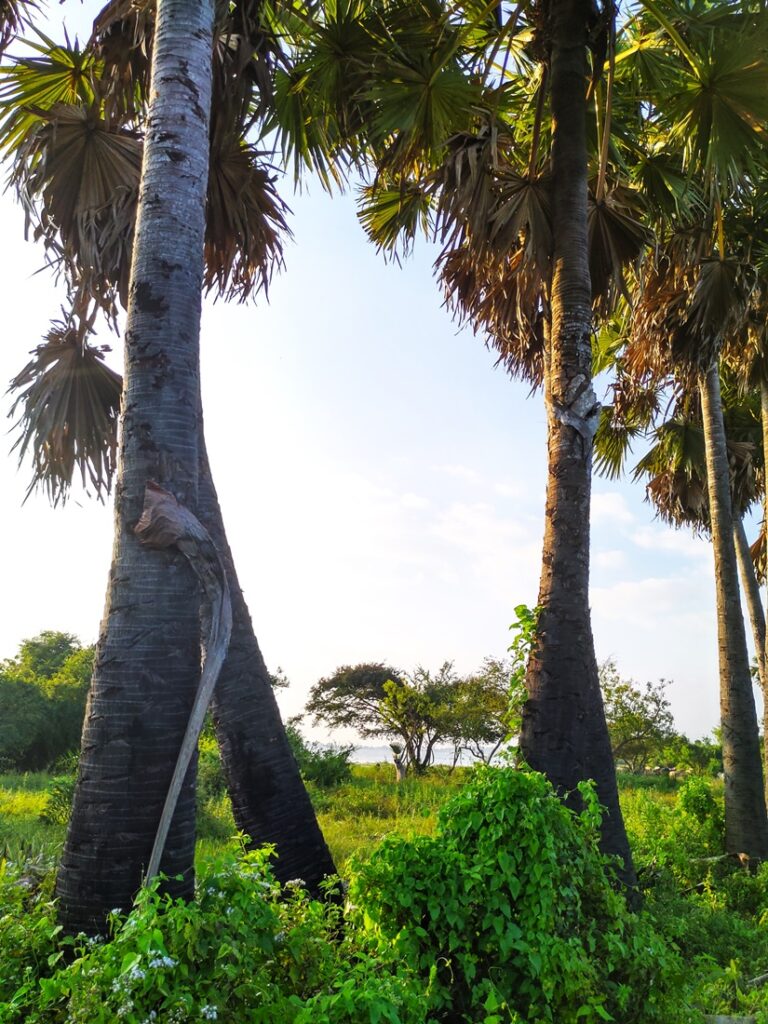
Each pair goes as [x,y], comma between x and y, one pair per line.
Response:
[325,766]
[511,911]
[245,950]
[58,805]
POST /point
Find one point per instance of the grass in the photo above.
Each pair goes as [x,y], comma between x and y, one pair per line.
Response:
[715,913]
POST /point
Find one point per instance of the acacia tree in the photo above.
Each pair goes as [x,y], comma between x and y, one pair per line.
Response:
[377,700]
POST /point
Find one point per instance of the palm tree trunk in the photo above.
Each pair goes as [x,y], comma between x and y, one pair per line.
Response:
[752,594]
[148,655]
[564,733]
[746,824]
[269,800]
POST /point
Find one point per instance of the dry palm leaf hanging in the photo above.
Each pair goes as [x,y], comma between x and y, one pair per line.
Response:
[84,176]
[67,405]
[616,239]
[245,223]
[14,15]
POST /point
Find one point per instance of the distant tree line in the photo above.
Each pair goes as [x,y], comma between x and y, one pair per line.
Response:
[43,692]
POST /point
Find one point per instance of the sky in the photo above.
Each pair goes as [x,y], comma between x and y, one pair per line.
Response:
[381,480]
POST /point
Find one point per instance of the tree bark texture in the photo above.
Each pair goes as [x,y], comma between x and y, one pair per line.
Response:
[746,824]
[269,799]
[148,655]
[564,734]
[752,594]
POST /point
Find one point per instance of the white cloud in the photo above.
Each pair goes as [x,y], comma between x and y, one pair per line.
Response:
[681,542]
[610,507]
[609,560]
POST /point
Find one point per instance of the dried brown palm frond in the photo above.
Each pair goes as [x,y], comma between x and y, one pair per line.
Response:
[14,15]
[122,40]
[245,223]
[523,219]
[78,180]
[617,240]
[758,553]
[687,310]
[483,199]
[67,404]
[467,200]
[505,302]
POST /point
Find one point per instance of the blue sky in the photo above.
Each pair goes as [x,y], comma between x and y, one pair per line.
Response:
[382,482]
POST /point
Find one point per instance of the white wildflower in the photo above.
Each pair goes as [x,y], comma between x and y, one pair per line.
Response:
[162,961]
[209,1012]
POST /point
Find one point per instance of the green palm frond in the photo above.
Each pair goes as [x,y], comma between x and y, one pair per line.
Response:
[32,86]
[245,222]
[613,444]
[67,405]
[417,108]
[392,215]
[720,112]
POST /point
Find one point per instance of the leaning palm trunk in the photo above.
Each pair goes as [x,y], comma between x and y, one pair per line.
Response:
[269,800]
[757,620]
[564,733]
[752,594]
[746,824]
[148,655]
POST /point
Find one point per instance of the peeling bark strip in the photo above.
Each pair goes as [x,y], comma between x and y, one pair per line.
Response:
[165,523]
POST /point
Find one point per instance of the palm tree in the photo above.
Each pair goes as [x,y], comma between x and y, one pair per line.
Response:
[688,308]
[458,144]
[675,470]
[67,427]
[147,660]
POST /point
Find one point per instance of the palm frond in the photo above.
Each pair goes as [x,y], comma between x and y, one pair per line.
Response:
[14,16]
[122,37]
[393,214]
[616,239]
[32,86]
[67,405]
[245,222]
[78,180]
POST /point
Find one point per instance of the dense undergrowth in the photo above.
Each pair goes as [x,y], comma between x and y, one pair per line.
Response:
[472,898]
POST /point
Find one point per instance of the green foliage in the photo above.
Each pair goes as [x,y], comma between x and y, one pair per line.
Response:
[683,835]
[325,765]
[510,906]
[42,700]
[638,718]
[243,950]
[58,804]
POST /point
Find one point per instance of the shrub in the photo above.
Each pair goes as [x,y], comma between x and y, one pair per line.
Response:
[58,805]
[326,766]
[512,910]
[245,950]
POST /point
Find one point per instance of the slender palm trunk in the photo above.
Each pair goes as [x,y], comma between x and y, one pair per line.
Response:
[752,594]
[564,733]
[757,620]
[746,824]
[148,655]
[269,800]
